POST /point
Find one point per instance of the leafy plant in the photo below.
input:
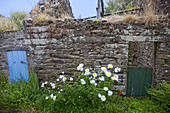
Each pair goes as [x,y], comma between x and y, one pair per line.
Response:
[18,18]
[161,93]
[3,80]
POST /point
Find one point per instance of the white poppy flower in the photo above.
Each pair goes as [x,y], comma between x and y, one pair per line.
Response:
[71,79]
[117,69]
[110,93]
[115,77]
[61,76]
[64,79]
[87,70]
[101,78]
[99,95]
[46,82]
[103,98]
[105,88]
[46,98]
[110,66]
[53,87]
[81,65]
[103,69]
[94,75]
[42,85]
[54,97]
[92,81]
[80,68]
[108,74]
[83,82]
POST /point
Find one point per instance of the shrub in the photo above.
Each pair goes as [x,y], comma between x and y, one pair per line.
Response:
[3,81]
[161,93]
[18,18]
[19,94]
[7,24]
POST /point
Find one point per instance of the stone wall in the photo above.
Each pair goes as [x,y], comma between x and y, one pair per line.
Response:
[56,46]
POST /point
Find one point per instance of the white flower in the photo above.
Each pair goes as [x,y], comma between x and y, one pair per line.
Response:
[64,79]
[83,82]
[52,84]
[95,84]
[103,98]
[108,74]
[46,98]
[81,65]
[94,75]
[54,97]
[117,69]
[58,79]
[101,78]
[103,69]
[53,87]
[61,76]
[87,70]
[92,81]
[63,72]
[61,89]
[110,66]
[99,95]
[105,88]
[46,82]
[110,93]
[59,92]
[42,85]
[115,77]
[71,79]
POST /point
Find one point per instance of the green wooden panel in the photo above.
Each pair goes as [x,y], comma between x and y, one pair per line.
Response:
[138,80]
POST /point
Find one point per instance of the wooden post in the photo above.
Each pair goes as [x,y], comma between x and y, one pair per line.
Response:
[100,9]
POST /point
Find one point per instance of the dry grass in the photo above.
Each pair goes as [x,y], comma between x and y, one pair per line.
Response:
[43,16]
[127,18]
[7,24]
[149,11]
[65,16]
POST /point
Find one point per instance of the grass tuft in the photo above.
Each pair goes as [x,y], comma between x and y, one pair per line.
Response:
[7,24]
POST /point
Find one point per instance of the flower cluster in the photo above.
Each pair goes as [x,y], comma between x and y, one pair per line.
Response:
[94,77]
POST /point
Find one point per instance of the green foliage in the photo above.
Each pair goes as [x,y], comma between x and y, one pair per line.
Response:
[14,95]
[18,18]
[161,93]
[3,81]
[19,94]
[118,5]
[33,80]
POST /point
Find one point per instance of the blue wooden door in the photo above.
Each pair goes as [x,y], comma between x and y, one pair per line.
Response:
[18,67]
